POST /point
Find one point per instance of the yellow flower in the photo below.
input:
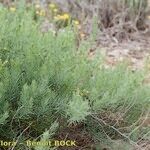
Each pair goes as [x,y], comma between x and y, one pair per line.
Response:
[42,13]
[66,16]
[37,12]
[55,10]
[13,9]
[82,35]
[57,17]
[62,17]
[52,6]
[76,22]
[37,6]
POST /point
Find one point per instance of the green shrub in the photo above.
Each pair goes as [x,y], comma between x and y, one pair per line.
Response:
[44,77]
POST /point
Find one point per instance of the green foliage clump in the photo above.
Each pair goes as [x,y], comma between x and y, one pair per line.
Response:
[46,137]
[77,109]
